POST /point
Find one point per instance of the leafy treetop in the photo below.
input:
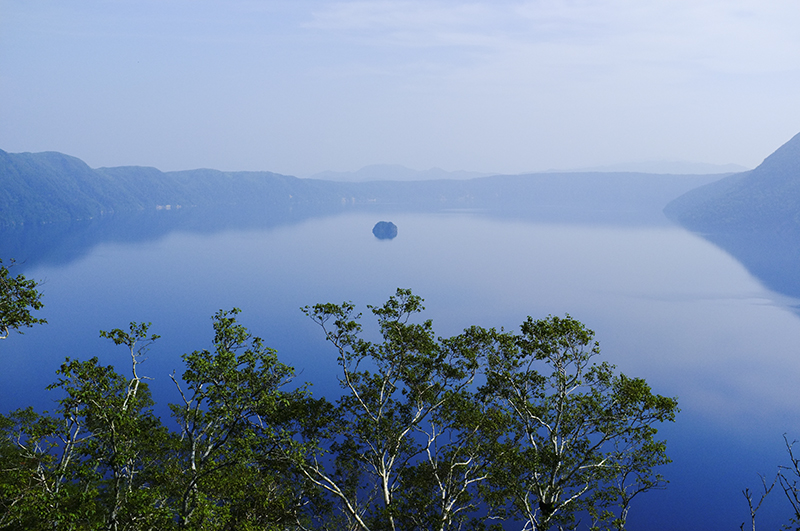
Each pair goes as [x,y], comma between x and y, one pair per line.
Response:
[18,296]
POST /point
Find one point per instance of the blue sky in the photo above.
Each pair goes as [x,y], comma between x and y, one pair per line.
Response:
[303,86]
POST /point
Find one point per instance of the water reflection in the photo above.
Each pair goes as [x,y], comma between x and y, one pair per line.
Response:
[62,243]
[772,257]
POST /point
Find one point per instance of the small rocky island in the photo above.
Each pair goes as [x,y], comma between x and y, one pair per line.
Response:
[384,230]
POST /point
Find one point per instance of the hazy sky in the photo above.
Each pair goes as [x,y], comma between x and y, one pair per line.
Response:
[302,86]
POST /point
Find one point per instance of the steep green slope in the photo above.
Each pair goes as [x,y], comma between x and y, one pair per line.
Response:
[51,187]
[766,198]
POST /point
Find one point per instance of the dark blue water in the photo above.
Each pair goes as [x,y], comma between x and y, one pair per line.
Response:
[665,305]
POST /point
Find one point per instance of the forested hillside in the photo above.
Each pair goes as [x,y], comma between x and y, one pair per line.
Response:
[52,187]
[765,198]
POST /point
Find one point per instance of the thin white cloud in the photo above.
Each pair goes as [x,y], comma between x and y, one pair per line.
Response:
[731,36]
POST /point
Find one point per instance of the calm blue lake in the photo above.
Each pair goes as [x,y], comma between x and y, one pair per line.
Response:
[665,305]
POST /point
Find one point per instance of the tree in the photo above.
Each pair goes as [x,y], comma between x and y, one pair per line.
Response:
[103,460]
[94,463]
[30,498]
[129,443]
[409,438]
[788,477]
[234,420]
[583,437]
[18,296]
[430,433]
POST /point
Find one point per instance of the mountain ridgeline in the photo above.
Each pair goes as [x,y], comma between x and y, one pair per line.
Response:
[754,216]
[44,188]
[766,198]
[52,187]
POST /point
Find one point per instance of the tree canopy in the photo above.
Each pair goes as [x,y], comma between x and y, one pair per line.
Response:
[485,429]
[18,296]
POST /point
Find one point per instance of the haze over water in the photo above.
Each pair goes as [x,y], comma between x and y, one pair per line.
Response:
[665,305]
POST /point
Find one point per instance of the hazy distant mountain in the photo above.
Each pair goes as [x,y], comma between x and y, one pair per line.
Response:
[671,167]
[765,198]
[37,188]
[395,172]
[50,187]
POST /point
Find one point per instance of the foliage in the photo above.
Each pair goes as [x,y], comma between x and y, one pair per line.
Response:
[18,296]
[419,445]
[582,437]
[95,462]
[410,437]
[430,433]
[234,417]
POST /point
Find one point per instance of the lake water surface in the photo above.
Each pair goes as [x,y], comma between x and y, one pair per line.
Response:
[666,305]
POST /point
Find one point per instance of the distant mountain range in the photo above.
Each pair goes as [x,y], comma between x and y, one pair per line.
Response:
[395,172]
[753,215]
[765,198]
[50,187]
